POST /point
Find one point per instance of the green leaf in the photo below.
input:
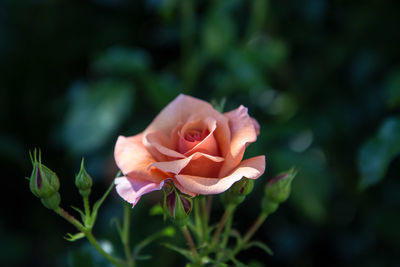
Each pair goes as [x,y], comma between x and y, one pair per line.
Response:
[184,252]
[83,216]
[166,232]
[120,60]
[143,257]
[156,210]
[237,262]
[376,154]
[74,237]
[261,245]
[98,203]
[95,112]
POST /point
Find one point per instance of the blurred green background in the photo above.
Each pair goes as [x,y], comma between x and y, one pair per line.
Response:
[322,78]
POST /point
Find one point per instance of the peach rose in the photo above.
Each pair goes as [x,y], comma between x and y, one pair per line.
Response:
[191,144]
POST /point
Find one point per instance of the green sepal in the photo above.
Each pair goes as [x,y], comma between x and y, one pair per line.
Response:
[83,215]
[237,193]
[74,237]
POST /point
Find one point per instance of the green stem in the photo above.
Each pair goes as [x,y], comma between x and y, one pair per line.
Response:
[190,242]
[97,246]
[71,219]
[125,235]
[197,220]
[88,233]
[258,222]
[87,210]
[208,206]
[204,218]
[225,237]
[228,213]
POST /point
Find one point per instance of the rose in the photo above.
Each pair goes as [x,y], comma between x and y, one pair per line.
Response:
[190,143]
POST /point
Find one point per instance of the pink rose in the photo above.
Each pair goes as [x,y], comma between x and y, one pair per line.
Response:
[192,144]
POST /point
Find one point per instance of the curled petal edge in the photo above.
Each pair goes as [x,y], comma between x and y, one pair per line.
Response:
[131,190]
[251,168]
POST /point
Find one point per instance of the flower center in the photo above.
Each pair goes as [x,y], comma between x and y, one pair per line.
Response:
[196,135]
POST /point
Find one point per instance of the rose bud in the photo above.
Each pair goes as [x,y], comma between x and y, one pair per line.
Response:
[83,181]
[43,181]
[52,202]
[177,206]
[238,192]
[44,184]
[277,191]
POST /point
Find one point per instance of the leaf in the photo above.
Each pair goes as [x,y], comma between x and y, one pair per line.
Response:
[184,252]
[261,245]
[166,232]
[237,262]
[376,154]
[95,112]
[83,216]
[156,210]
[74,237]
[123,61]
[98,203]
[143,257]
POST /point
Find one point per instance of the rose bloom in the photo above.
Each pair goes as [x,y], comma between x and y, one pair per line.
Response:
[191,144]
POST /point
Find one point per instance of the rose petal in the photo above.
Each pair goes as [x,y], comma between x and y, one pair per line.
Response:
[133,159]
[181,109]
[132,189]
[207,145]
[176,166]
[251,168]
[159,146]
[243,131]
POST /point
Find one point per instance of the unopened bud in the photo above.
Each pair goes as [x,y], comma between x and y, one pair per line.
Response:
[238,192]
[278,188]
[277,191]
[83,181]
[177,206]
[52,202]
[43,181]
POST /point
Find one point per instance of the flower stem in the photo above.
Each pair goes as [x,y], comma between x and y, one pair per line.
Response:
[190,242]
[87,209]
[204,218]
[228,212]
[258,222]
[208,205]
[88,233]
[125,236]
[71,219]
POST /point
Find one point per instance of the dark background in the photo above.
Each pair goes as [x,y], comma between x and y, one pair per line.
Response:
[322,78]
